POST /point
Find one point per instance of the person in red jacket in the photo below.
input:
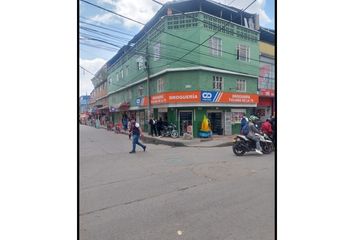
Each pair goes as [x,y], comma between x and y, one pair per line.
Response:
[267,128]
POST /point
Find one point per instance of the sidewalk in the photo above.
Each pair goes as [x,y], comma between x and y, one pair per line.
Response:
[214,141]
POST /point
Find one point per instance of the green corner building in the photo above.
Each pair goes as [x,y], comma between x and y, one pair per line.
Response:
[193,58]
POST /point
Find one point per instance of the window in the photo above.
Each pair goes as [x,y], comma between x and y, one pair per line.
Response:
[241,85]
[215,45]
[140,62]
[217,83]
[140,91]
[122,73]
[126,70]
[129,94]
[160,85]
[243,53]
[117,77]
[157,51]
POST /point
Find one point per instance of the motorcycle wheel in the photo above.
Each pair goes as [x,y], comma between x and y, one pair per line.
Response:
[266,148]
[174,134]
[238,149]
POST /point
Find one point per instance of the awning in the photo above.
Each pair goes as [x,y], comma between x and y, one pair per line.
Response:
[124,106]
[103,107]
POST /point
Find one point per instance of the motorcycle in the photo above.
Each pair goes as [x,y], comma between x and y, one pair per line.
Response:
[170,131]
[242,144]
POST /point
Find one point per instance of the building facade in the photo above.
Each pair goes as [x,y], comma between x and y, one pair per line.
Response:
[266,81]
[84,103]
[98,97]
[180,67]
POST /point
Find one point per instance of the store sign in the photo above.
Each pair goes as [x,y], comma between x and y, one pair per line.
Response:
[209,96]
[141,101]
[266,92]
[176,97]
[227,97]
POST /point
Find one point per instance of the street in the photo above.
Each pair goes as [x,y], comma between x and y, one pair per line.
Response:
[172,192]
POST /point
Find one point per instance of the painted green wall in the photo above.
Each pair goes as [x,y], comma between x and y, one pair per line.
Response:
[172,48]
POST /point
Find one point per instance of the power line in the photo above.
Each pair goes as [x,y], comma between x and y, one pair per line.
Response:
[112,12]
[90,35]
[103,33]
[174,34]
[103,41]
[200,44]
[99,47]
[105,28]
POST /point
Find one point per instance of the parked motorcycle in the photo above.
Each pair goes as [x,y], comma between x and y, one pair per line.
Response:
[242,144]
[170,131]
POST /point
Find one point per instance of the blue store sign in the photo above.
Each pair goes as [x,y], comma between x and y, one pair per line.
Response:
[209,96]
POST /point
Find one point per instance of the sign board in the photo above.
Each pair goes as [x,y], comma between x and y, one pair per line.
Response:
[141,101]
[228,97]
[176,97]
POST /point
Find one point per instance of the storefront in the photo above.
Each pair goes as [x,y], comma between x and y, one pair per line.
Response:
[265,106]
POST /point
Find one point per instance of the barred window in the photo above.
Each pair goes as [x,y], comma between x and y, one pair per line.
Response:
[140,91]
[160,85]
[241,85]
[243,53]
[157,51]
[215,45]
[217,83]
[140,62]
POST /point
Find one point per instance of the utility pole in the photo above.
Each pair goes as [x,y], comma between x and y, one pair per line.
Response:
[147,65]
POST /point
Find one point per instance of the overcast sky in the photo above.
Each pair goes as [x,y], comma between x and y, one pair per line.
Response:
[92,58]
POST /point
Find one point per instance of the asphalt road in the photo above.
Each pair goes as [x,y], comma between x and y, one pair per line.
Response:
[172,193]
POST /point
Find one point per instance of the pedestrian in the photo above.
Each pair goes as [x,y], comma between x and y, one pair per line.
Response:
[267,128]
[159,126]
[129,127]
[97,122]
[154,126]
[244,121]
[151,123]
[136,133]
[125,123]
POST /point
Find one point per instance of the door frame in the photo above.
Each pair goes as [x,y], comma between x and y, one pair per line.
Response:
[179,120]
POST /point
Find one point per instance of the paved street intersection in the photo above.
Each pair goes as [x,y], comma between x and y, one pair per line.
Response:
[172,192]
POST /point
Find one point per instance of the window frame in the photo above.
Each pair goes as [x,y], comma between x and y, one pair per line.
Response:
[244,84]
[248,52]
[218,81]
[140,63]
[215,51]
[160,85]
[141,88]
[157,51]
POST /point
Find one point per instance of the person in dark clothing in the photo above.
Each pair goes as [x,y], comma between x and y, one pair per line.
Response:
[244,121]
[159,126]
[252,131]
[136,133]
[151,123]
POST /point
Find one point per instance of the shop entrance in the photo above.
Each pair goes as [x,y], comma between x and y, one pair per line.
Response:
[185,122]
[215,122]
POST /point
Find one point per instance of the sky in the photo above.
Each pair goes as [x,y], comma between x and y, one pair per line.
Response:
[93,58]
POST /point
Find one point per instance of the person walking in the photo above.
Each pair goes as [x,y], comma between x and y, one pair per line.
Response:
[136,133]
